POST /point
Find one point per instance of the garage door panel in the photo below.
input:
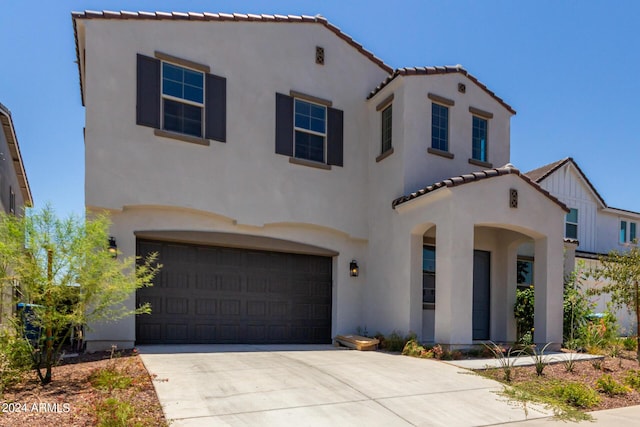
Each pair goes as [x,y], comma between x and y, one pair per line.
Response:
[256,308]
[229,295]
[177,305]
[206,307]
[230,307]
[177,331]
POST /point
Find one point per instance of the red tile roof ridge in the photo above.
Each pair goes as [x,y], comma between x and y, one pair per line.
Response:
[477,176]
[445,69]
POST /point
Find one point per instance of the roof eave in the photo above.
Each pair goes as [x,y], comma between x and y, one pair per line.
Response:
[16,156]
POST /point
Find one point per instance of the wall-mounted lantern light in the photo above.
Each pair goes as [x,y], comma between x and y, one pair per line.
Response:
[113,248]
[354,270]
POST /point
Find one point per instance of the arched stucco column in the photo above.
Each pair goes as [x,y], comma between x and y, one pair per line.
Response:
[548,291]
[454,280]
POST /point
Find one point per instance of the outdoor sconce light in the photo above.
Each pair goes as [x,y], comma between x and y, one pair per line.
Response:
[354,270]
[113,248]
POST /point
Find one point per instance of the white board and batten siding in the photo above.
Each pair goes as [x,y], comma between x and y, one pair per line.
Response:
[567,185]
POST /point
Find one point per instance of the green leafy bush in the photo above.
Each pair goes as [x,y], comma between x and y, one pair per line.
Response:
[577,395]
[577,307]
[109,379]
[632,379]
[523,311]
[114,413]
[396,342]
[610,386]
[630,343]
[15,359]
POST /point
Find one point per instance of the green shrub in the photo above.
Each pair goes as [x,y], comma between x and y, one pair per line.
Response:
[523,311]
[109,379]
[15,359]
[413,349]
[577,395]
[577,307]
[632,379]
[611,387]
[396,342]
[630,343]
[114,413]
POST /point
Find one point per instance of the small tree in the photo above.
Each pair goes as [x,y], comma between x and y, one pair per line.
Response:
[577,308]
[622,273]
[64,269]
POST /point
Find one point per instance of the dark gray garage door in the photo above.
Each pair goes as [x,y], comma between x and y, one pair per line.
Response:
[208,294]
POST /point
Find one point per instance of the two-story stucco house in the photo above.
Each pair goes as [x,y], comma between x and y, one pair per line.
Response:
[15,193]
[596,228]
[296,187]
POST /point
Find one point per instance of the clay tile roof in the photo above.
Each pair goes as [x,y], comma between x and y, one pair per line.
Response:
[473,177]
[193,16]
[412,71]
[540,174]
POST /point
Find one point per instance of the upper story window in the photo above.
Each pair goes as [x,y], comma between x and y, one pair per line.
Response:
[309,130]
[627,232]
[182,99]
[571,224]
[310,127]
[387,121]
[479,139]
[439,127]
[428,274]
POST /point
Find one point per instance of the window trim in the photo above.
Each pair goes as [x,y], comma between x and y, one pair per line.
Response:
[486,140]
[440,150]
[628,226]
[202,106]
[389,109]
[312,132]
[429,305]
[567,222]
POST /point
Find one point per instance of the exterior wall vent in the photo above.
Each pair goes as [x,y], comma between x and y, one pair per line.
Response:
[319,55]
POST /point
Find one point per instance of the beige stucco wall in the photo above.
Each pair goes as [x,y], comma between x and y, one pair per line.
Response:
[457,212]
[244,178]
[195,227]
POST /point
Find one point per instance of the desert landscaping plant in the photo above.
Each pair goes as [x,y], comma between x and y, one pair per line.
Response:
[539,358]
[15,358]
[506,358]
[610,386]
[67,276]
[577,395]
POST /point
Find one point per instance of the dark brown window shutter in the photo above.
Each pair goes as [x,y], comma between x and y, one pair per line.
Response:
[284,124]
[148,92]
[334,136]
[215,107]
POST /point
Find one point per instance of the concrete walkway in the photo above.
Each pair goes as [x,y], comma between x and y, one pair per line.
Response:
[241,385]
[551,357]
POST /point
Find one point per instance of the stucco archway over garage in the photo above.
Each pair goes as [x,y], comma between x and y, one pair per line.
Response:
[478,218]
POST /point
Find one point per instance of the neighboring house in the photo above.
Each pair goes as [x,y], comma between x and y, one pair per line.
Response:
[597,228]
[15,193]
[296,187]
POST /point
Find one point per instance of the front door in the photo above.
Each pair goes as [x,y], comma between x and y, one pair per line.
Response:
[481,295]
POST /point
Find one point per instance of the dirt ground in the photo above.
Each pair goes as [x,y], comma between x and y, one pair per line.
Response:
[71,400]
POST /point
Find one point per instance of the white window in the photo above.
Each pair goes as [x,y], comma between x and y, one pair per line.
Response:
[571,224]
[182,99]
[627,232]
[310,127]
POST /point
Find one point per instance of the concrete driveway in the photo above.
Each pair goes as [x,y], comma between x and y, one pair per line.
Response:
[242,385]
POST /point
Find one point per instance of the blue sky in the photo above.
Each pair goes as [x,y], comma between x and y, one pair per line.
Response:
[567,67]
